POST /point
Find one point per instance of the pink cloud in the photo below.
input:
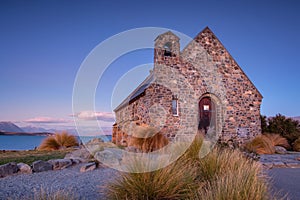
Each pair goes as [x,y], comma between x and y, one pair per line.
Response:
[46,120]
[91,115]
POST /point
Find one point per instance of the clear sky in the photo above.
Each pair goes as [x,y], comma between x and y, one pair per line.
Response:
[43,43]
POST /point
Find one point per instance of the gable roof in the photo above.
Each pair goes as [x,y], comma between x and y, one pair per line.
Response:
[150,79]
[137,92]
[208,30]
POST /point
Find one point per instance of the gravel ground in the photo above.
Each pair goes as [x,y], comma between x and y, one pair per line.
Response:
[83,185]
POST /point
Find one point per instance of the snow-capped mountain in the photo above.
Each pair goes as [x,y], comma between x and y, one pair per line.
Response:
[10,127]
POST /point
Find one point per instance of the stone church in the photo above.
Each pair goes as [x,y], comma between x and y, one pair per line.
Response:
[199,88]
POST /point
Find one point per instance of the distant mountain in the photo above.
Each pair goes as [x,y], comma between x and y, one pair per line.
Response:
[296,118]
[9,127]
[32,129]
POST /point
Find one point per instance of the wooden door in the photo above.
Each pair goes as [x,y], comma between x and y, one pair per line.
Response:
[206,113]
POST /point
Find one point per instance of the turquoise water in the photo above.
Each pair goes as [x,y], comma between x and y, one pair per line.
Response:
[18,142]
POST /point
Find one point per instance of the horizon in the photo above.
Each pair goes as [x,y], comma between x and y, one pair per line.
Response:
[45,43]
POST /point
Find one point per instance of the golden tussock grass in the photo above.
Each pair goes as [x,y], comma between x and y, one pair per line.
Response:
[222,174]
[58,141]
[265,144]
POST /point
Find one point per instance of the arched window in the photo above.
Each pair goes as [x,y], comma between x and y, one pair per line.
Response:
[167,49]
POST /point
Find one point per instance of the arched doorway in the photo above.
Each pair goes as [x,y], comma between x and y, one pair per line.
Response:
[207,113]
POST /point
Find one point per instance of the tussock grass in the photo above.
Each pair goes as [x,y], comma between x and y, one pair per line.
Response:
[296,145]
[43,194]
[265,144]
[222,174]
[278,140]
[227,174]
[58,141]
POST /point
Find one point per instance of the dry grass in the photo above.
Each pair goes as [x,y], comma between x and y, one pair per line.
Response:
[222,174]
[265,144]
[277,140]
[296,145]
[43,194]
[260,145]
[58,141]
[31,155]
[227,174]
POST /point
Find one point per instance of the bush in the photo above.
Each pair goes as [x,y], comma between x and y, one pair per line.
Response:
[58,141]
[265,144]
[222,174]
[296,145]
[286,127]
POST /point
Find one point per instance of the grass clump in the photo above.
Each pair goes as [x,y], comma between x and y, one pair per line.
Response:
[296,145]
[227,174]
[43,194]
[58,141]
[222,174]
[265,144]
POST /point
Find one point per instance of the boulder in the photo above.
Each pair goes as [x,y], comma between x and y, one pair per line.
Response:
[40,166]
[60,163]
[95,141]
[280,150]
[81,154]
[109,156]
[8,169]
[24,168]
[88,167]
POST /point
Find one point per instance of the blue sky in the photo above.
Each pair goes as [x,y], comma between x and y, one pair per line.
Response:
[43,44]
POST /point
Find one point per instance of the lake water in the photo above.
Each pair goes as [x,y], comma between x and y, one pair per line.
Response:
[20,142]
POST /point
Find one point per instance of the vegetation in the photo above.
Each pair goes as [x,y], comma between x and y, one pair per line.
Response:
[222,174]
[265,144]
[30,156]
[296,145]
[286,127]
[59,141]
[50,195]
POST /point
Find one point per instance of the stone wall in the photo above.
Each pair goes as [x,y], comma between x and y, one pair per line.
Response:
[203,68]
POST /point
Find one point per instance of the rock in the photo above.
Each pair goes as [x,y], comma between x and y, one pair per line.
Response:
[279,164]
[75,161]
[268,165]
[110,157]
[60,163]
[280,150]
[24,168]
[81,154]
[40,166]
[95,141]
[88,167]
[8,169]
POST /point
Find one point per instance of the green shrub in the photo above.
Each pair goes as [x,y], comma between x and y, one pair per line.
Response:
[58,141]
[286,127]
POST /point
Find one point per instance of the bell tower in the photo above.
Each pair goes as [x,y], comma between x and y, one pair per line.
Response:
[166,47]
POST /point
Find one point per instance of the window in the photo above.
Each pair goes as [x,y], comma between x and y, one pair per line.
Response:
[206,107]
[167,49]
[174,105]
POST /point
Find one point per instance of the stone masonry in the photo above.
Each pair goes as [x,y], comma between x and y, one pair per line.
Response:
[203,69]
